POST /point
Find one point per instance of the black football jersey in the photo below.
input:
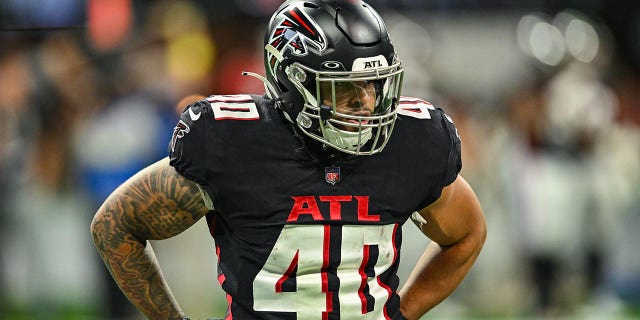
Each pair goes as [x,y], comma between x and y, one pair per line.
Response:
[298,238]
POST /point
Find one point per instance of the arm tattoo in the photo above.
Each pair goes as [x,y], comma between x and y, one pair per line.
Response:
[156,203]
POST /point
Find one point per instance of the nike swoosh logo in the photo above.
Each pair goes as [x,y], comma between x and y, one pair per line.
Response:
[193,115]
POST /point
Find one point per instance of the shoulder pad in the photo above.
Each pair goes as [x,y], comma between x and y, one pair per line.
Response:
[233,107]
[415,108]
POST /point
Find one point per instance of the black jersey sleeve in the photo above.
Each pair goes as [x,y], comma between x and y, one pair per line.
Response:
[187,149]
[425,132]
[454,164]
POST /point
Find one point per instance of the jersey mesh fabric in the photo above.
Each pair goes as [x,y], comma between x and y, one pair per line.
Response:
[291,245]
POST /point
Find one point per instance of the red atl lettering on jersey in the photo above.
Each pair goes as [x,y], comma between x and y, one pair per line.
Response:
[309,205]
[335,208]
[304,205]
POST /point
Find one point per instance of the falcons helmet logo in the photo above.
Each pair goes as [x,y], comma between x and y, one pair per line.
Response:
[295,32]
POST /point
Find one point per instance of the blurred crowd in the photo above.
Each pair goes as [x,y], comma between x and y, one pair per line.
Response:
[546,98]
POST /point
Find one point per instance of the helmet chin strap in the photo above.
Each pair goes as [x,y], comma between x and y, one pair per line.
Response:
[272,93]
[347,140]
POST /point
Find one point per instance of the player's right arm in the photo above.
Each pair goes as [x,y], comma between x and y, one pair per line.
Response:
[156,203]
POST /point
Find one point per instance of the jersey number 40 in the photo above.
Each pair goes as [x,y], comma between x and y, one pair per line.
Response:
[302,251]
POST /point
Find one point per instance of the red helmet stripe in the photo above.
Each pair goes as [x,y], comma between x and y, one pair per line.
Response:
[300,20]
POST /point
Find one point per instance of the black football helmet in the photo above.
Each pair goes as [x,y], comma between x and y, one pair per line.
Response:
[333,70]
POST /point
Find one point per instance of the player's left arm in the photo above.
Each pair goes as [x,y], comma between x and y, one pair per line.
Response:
[456,224]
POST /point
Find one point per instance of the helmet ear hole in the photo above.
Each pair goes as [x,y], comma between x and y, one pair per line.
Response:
[299,74]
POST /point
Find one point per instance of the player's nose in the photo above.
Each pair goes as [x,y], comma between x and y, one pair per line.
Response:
[363,99]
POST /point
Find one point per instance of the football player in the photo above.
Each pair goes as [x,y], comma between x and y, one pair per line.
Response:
[305,189]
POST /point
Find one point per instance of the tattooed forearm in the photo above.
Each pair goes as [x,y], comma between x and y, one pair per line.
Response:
[157,203]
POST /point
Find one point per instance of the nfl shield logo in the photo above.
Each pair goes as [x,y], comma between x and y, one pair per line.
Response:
[332,174]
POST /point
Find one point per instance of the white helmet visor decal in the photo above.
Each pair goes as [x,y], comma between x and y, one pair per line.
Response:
[370,63]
